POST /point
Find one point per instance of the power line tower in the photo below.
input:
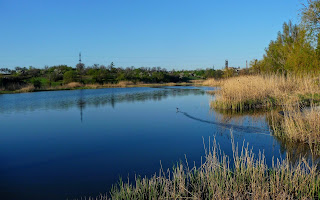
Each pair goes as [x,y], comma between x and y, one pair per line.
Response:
[80,57]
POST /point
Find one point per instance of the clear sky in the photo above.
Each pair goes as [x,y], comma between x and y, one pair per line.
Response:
[180,34]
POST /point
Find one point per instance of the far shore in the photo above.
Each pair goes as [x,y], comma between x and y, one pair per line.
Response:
[79,86]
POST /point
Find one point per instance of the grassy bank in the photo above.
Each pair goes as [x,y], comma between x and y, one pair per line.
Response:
[254,92]
[247,178]
[77,85]
[297,117]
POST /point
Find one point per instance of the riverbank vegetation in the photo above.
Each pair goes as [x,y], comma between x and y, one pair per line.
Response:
[245,176]
[96,76]
[300,124]
[77,85]
[286,78]
[265,91]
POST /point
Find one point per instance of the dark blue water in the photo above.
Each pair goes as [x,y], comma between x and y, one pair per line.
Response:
[68,144]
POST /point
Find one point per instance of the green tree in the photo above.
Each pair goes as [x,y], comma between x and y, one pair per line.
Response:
[291,52]
[36,82]
[69,76]
[80,69]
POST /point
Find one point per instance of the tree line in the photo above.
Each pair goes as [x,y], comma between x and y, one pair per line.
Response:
[12,79]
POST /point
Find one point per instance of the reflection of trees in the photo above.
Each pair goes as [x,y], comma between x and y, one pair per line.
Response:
[81,100]
[81,104]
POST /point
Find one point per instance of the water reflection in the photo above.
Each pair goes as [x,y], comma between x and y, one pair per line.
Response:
[294,151]
[81,104]
[64,100]
[240,128]
[44,143]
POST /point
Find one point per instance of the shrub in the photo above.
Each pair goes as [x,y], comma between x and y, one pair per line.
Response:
[36,82]
[69,76]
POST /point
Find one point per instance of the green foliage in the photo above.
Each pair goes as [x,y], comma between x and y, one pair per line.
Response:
[291,52]
[99,74]
[69,76]
[36,82]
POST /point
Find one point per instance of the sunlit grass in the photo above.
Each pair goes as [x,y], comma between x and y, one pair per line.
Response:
[254,92]
[212,82]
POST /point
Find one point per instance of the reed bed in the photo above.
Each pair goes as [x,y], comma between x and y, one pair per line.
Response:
[212,82]
[252,92]
[298,123]
[248,177]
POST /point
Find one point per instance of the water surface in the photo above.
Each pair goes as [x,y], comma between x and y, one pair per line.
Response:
[68,144]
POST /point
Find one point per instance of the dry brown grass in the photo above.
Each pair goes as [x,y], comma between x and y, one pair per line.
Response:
[197,82]
[125,83]
[212,82]
[298,124]
[247,92]
[72,85]
[26,89]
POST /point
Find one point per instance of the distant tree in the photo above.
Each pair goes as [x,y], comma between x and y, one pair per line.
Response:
[80,69]
[36,83]
[69,76]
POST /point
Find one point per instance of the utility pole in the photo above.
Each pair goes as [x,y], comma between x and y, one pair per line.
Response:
[79,57]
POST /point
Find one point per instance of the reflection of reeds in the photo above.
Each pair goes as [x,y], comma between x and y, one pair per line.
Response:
[251,92]
[254,117]
[247,178]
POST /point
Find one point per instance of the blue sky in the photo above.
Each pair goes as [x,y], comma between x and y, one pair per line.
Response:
[180,34]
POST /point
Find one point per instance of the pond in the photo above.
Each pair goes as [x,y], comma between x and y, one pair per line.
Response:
[70,144]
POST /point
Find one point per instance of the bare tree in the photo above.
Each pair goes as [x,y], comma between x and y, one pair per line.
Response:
[311,16]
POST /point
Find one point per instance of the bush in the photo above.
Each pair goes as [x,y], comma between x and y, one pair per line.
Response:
[69,76]
[36,82]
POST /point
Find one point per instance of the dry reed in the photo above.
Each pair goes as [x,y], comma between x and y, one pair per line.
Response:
[212,82]
[251,92]
[298,123]
[28,88]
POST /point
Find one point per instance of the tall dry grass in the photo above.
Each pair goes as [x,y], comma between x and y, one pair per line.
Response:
[248,177]
[26,89]
[298,123]
[250,92]
[212,82]
[72,85]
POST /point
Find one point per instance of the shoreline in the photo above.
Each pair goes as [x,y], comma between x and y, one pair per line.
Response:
[83,87]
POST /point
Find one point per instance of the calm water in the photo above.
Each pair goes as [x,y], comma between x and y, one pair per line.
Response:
[68,144]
